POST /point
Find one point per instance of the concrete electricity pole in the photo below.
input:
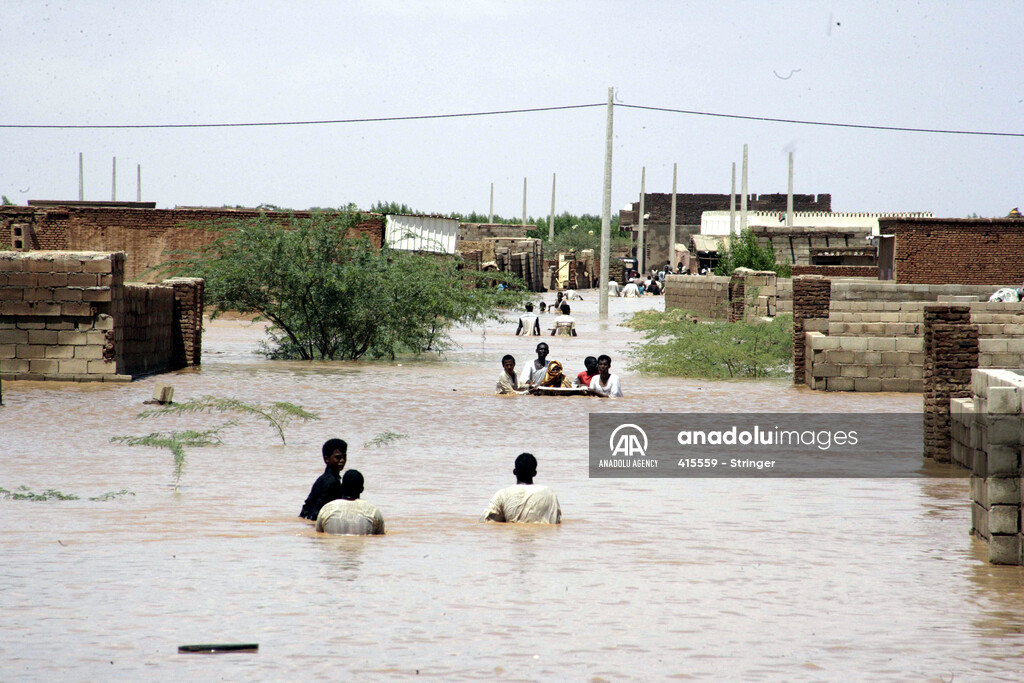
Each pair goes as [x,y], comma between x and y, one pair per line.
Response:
[641,262]
[743,199]
[606,211]
[138,183]
[732,202]
[113,182]
[524,201]
[490,216]
[81,179]
[551,224]
[789,196]
[672,224]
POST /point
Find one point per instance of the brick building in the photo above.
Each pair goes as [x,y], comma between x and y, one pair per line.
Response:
[147,235]
[977,251]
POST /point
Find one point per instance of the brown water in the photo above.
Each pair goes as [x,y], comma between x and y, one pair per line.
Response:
[649,579]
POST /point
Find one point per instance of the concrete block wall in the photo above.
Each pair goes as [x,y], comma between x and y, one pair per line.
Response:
[863,363]
[705,295]
[70,316]
[986,438]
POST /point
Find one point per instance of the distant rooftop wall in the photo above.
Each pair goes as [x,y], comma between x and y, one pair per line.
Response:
[717,222]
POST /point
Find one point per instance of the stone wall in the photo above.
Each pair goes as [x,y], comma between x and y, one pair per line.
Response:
[70,316]
[986,428]
[951,352]
[148,236]
[811,298]
[957,250]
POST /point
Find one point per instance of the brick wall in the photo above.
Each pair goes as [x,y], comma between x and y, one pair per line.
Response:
[147,236]
[957,250]
[811,297]
[837,271]
[68,315]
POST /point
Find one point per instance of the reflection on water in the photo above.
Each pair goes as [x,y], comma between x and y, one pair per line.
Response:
[792,579]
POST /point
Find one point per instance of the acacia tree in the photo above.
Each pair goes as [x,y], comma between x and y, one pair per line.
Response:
[327,297]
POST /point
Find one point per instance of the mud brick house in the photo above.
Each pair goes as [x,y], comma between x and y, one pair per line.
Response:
[148,236]
[970,251]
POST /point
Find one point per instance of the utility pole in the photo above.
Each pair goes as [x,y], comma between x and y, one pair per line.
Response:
[641,262]
[606,211]
[672,224]
[113,182]
[138,182]
[732,202]
[81,179]
[551,224]
[490,216]
[743,199]
[789,196]
[524,201]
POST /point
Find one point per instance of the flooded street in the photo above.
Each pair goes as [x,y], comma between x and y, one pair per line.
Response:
[802,579]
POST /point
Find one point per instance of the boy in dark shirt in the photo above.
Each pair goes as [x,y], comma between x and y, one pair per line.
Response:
[328,486]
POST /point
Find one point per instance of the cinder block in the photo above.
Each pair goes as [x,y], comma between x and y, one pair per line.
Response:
[826,370]
[42,366]
[7,350]
[13,365]
[103,322]
[42,336]
[1002,490]
[1002,461]
[71,338]
[67,294]
[853,371]
[75,309]
[867,384]
[60,325]
[30,351]
[83,280]
[910,344]
[1004,400]
[1004,519]
[96,294]
[60,352]
[97,266]
[52,280]
[89,352]
[1004,549]
[73,367]
[839,384]
[102,367]
[1003,430]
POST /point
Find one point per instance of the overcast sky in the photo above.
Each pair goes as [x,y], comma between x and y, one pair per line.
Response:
[908,64]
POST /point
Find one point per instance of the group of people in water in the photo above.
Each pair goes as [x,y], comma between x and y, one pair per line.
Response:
[334,504]
[596,378]
[564,324]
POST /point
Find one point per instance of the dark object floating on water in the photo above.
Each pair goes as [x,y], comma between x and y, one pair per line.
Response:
[210,648]
[561,391]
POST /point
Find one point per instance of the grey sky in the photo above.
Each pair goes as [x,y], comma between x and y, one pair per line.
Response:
[922,65]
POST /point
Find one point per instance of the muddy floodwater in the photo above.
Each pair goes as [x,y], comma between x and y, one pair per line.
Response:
[753,579]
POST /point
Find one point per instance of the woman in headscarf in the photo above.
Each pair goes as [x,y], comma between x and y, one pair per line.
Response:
[554,377]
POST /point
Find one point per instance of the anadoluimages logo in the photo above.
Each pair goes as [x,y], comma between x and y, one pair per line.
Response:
[629,441]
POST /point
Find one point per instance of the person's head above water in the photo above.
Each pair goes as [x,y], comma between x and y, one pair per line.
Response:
[335,452]
[508,363]
[525,469]
[542,350]
[604,365]
[351,485]
[529,307]
[565,309]
[590,363]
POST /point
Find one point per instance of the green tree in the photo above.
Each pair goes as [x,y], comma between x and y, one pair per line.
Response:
[332,298]
[677,346]
[746,252]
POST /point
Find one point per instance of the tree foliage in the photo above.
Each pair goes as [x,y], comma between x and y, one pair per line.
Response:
[746,252]
[677,346]
[332,298]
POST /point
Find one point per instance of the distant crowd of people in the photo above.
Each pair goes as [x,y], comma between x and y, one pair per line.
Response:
[336,508]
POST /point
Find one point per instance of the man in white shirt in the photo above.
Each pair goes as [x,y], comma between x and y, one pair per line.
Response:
[529,323]
[348,515]
[526,501]
[565,324]
[605,385]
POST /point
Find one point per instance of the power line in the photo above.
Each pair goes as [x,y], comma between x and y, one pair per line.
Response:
[824,123]
[302,123]
[500,112]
